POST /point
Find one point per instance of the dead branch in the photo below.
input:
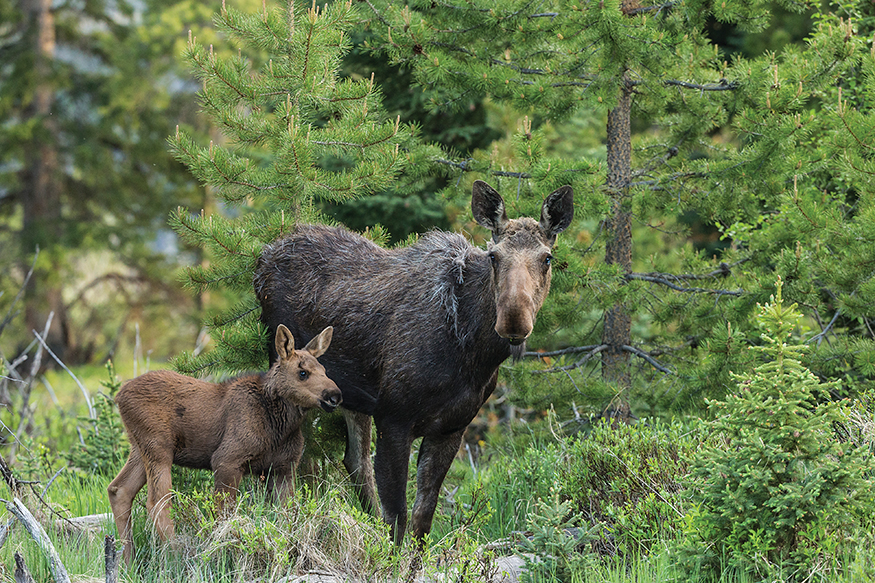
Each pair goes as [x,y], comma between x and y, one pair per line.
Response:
[110,559]
[564,351]
[22,575]
[580,362]
[641,354]
[91,413]
[9,312]
[20,511]
[663,279]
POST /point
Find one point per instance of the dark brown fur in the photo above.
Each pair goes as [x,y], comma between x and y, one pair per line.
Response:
[247,425]
[422,332]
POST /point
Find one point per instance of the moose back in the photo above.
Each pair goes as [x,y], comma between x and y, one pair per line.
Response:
[420,333]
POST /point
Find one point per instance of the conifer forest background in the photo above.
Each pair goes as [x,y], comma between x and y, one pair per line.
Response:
[697,399]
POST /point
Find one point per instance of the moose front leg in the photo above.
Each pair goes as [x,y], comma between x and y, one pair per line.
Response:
[390,471]
[357,459]
[436,455]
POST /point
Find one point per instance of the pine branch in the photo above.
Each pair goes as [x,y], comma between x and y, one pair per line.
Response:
[646,9]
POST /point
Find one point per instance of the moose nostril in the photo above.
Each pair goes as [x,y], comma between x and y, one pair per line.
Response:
[333,398]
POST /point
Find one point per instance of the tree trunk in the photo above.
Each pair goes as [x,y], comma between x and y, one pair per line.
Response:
[618,324]
[41,200]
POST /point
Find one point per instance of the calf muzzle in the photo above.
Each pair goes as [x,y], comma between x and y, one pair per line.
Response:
[330,400]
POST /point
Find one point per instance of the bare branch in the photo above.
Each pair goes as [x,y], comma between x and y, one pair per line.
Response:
[91,413]
[722,85]
[663,279]
[572,350]
[583,360]
[647,357]
[59,572]
[819,337]
[9,314]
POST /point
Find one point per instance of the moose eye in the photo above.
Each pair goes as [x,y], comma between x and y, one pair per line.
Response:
[303,375]
[493,259]
[548,260]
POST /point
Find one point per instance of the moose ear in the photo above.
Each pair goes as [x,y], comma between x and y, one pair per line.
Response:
[488,208]
[557,212]
[319,344]
[284,342]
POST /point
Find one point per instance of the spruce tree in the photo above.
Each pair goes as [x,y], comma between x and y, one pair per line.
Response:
[779,484]
[296,135]
[718,139]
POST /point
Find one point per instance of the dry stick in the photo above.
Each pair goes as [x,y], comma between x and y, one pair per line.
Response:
[9,312]
[59,573]
[91,413]
[110,559]
[22,575]
[26,414]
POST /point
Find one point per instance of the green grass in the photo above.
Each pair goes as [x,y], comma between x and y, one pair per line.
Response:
[606,480]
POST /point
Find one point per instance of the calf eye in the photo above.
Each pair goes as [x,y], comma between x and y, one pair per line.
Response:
[548,259]
[303,375]
[492,258]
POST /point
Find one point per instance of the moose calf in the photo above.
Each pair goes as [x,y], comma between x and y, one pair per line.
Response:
[247,425]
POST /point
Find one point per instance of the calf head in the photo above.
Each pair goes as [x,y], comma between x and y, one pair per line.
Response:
[297,376]
[520,256]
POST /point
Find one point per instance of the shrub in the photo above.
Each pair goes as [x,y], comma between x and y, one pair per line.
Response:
[102,447]
[778,495]
[619,484]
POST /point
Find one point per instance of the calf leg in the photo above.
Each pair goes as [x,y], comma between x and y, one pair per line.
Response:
[357,459]
[436,455]
[122,491]
[390,471]
[158,496]
[281,483]
[228,475]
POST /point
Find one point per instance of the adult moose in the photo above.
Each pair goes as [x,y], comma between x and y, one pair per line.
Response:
[421,332]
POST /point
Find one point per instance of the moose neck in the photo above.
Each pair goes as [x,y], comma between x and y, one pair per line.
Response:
[282,416]
[477,312]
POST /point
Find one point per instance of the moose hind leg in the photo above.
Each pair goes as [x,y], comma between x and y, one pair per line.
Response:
[436,455]
[357,459]
[121,492]
[158,496]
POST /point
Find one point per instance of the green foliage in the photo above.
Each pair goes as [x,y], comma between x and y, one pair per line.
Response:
[621,482]
[779,493]
[554,546]
[102,445]
[87,96]
[297,136]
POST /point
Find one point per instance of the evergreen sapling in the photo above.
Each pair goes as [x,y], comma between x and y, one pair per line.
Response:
[779,489]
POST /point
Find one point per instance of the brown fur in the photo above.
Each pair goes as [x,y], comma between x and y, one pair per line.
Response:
[247,425]
[424,330]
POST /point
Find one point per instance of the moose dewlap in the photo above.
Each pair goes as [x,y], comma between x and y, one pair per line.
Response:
[247,425]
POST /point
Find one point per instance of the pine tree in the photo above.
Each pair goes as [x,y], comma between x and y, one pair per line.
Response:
[780,483]
[650,67]
[86,99]
[297,135]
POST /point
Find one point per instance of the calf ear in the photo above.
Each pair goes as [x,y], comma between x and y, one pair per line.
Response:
[557,212]
[319,344]
[488,208]
[284,343]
